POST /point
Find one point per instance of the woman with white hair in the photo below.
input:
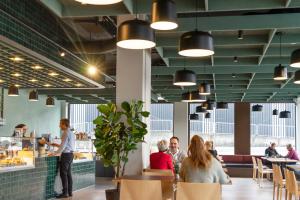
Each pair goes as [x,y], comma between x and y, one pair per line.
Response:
[161,160]
[292,154]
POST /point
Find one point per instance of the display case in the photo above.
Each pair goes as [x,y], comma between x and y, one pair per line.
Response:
[16,153]
[84,150]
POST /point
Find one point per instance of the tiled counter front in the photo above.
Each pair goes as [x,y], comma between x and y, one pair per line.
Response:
[38,183]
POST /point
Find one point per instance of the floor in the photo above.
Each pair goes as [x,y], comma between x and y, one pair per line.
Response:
[241,189]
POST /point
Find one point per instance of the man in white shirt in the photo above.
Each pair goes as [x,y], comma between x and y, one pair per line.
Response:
[177,154]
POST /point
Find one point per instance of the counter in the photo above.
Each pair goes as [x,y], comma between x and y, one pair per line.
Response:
[38,183]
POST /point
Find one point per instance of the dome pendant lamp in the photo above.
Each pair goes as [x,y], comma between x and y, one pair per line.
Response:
[98,2]
[194,116]
[13,91]
[275,112]
[207,115]
[280,72]
[33,95]
[164,15]
[257,108]
[204,89]
[185,78]
[200,109]
[222,105]
[297,77]
[295,59]
[193,96]
[50,102]
[285,114]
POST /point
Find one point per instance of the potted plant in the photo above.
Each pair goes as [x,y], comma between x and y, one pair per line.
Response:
[117,132]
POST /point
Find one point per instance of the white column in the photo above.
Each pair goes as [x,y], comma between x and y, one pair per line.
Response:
[297,124]
[134,83]
[181,123]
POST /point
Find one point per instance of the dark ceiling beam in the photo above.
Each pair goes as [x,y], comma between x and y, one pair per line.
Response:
[93,47]
[69,91]
[281,87]
[54,5]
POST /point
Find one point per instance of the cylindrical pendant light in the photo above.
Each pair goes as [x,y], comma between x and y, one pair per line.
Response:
[13,91]
[280,73]
[209,105]
[164,15]
[98,2]
[196,44]
[33,95]
[193,96]
[257,108]
[285,114]
[200,109]
[207,115]
[194,116]
[297,77]
[204,89]
[185,78]
[295,59]
[222,105]
[50,102]
[135,34]
[275,112]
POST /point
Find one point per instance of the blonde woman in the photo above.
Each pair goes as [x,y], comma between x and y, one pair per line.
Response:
[200,166]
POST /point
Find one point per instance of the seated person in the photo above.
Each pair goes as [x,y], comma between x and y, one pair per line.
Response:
[271,151]
[176,153]
[292,154]
[211,150]
[200,166]
[161,160]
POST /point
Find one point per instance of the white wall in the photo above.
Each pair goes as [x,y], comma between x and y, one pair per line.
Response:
[181,113]
[35,115]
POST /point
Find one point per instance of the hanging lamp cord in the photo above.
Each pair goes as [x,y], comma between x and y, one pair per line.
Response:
[280,37]
[136,9]
[196,21]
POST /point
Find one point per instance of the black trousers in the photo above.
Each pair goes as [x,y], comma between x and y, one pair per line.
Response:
[65,172]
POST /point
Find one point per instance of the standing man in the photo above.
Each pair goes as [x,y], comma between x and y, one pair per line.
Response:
[177,154]
[65,150]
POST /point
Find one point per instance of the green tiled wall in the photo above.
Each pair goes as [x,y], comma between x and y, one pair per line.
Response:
[38,183]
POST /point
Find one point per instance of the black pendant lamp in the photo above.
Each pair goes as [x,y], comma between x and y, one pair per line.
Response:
[275,112]
[185,78]
[257,108]
[135,34]
[295,59]
[194,116]
[196,44]
[280,73]
[200,109]
[208,105]
[99,2]
[50,102]
[33,95]
[207,115]
[297,77]
[285,114]
[204,89]
[222,105]
[13,91]
[164,15]
[193,96]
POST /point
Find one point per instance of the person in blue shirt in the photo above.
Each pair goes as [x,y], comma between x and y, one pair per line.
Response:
[65,150]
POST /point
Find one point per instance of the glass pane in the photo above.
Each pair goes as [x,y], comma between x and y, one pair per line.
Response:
[267,128]
[219,128]
[161,123]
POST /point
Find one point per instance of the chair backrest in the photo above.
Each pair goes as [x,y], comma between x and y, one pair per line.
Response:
[287,179]
[275,173]
[294,184]
[157,172]
[279,175]
[254,162]
[193,191]
[259,165]
[140,189]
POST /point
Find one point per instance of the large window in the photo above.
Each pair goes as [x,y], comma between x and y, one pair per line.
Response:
[219,128]
[161,123]
[267,128]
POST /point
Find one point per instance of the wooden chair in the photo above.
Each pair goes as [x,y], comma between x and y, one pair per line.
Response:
[287,183]
[262,171]
[292,186]
[278,182]
[157,172]
[255,168]
[140,189]
[196,191]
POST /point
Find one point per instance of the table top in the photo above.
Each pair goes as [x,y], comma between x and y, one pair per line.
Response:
[294,167]
[279,160]
[143,177]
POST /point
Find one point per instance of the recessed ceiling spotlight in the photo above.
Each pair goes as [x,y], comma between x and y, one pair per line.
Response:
[2,81]
[62,54]
[67,80]
[33,80]
[47,85]
[17,74]
[37,67]
[240,35]
[16,59]
[1,68]
[98,2]
[17,85]
[235,59]
[92,70]
[78,85]
[53,74]
[293,43]
[233,75]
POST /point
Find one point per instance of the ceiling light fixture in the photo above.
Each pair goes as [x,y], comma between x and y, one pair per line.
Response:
[194,116]
[164,16]
[13,91]
[67,80]
[193,96]
[98,2]
[33,95]
[200,109]
[297,77]
[16,59]
[50,102]
[235,59]
[285,114]
[53,74]
[295,59]
[240,35]
[78,85]
[280,72]
[33,80]
[222,105]
[204,89]
[47,85]
[207,115]
[2,81]
[37,67]
[185,78]
[257,108]
[62,54]
[92,70]
[208,105]
[275,112]
[16,74]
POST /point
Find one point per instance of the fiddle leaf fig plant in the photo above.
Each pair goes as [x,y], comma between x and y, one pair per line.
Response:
[118,132]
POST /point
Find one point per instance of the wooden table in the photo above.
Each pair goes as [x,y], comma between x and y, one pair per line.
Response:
[280,160]
[149,178]
[294,167]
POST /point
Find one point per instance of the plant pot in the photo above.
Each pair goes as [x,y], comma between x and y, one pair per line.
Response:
[112,194]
